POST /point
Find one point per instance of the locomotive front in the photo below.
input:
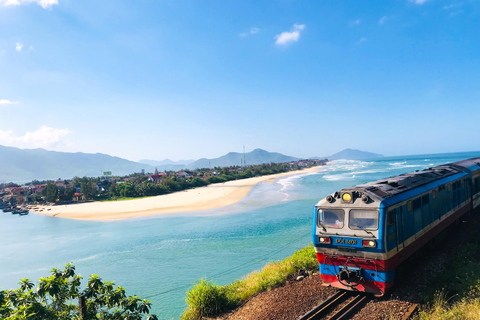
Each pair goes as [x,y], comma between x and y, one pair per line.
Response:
[348,240]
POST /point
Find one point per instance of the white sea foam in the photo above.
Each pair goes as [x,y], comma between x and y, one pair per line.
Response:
[348,165]
[92,257]
[338,177]
[28,271]
[397,163]
[288,183]
[368,171]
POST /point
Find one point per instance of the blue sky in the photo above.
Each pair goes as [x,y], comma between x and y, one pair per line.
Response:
[155,79]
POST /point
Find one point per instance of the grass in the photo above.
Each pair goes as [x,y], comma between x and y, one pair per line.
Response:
[441,309]
[207,299]
[126,198]
[455,294]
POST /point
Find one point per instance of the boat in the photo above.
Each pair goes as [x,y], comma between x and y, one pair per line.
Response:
[22,212]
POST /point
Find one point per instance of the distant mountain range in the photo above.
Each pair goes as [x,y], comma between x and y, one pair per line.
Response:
[352,154]
[23,165]
[19,165]
[154,163]
[167,164]
[257,156]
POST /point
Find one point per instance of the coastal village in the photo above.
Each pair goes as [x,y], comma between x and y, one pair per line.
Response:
[20,198]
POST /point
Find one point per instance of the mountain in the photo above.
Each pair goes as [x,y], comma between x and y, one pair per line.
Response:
[257,156]
[352,154]
[155,163]
[167,164]
[20,165]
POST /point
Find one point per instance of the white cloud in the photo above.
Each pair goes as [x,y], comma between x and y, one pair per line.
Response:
[362,40]
[453,5]
[455,13]
[286,37]
[8,102]
[251,31]
[43,3]
[354,23]
[419,2]
[382,20]
[18,46]
[44,137]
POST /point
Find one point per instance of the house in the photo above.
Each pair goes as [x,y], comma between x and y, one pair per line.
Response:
[60,183]
[157,177]
[78,196]
[183,174]
[17,191]
[37,188]
[302,163]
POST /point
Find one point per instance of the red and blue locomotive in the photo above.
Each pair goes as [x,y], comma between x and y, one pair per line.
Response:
[362,234]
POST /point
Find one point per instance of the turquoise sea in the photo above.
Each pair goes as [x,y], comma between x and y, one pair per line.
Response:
[161,257]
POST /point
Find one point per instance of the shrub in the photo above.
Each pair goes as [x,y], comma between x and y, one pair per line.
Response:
[208,299]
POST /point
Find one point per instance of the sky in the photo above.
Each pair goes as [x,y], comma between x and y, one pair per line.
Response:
[190,79]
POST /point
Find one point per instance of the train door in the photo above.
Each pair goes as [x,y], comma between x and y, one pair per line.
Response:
[399,224]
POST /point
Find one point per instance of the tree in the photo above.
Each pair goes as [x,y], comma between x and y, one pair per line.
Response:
[20,200]
[88,187]
[50,191]
[55,296]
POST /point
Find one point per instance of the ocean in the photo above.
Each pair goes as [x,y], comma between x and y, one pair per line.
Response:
[161,257]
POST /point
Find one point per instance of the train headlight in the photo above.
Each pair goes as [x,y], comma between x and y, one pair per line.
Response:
[325,240]
[369,243]
[347,197]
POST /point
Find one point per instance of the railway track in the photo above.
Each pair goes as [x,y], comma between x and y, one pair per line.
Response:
[338,307]
[343,304]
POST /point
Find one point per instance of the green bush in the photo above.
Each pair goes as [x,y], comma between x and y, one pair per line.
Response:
[207,299]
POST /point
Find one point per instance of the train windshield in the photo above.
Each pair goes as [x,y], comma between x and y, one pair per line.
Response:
[363,219]
[331,218]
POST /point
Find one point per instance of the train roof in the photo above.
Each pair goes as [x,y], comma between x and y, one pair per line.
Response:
[389,187]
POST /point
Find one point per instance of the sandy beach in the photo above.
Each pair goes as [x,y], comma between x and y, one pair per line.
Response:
[204,198]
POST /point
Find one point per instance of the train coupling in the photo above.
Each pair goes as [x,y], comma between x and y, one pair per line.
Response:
[349,276]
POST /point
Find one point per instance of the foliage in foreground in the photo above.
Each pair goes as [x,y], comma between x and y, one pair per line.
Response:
[466,309]
[455,294]
[207,299]
[55,296]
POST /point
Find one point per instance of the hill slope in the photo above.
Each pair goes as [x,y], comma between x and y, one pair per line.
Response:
[20,165]
[257,156]
[352,154]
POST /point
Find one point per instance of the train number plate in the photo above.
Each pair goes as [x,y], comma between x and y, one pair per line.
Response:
[347,241]
[343,249]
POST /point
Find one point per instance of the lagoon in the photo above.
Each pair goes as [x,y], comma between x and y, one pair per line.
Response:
[161,257]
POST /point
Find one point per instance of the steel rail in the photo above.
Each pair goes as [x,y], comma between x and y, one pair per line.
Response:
[411,311]
[350,307]
[328,305]
[321,310]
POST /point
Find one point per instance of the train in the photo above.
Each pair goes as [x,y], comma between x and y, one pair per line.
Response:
[363,234]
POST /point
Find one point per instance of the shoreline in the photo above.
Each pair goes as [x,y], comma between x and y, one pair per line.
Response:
[213,196]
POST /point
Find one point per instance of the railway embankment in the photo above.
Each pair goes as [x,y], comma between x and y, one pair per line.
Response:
[444,280]
[206,299]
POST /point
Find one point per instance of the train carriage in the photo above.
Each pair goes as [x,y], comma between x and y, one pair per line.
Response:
[362,234]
